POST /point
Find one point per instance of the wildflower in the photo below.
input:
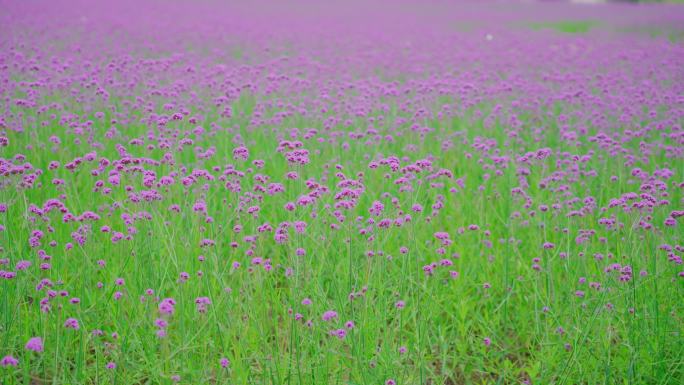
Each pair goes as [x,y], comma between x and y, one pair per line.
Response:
[160,323]
[35,344]
[71,323]
[329,315]
[202,303]
[9,361]
[339,333]
[167,306]
[224,362]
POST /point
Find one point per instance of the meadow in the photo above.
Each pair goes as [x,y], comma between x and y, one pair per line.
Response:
[261,193]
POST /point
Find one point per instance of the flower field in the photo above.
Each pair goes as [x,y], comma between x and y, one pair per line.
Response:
[367,193]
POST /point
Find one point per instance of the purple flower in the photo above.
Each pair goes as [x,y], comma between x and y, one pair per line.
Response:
[71,323]
[224,362]
[35,344]
[339,333]
[167,306]
[9,361]
[329,315]
[161,323]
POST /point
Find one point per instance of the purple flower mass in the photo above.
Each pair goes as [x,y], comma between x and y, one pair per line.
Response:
[35,344]
[9,361]
[72,323]
[341,192]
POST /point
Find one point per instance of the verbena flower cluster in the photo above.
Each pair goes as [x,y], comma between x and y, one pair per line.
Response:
[195,192]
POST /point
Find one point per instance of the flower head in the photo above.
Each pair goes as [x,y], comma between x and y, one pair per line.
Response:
[35,344]
[9,361]
[328,315]
[72,323]
[224,362]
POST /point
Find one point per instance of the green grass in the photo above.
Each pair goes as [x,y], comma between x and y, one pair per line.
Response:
[673,34]
[569,26]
